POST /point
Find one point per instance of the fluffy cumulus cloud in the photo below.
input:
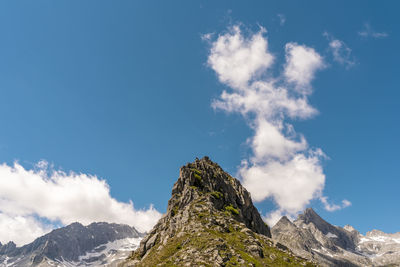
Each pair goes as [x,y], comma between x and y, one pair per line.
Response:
[340,51]
[33,201]
[237,60]
[301,64]
[282,165]
[21,229]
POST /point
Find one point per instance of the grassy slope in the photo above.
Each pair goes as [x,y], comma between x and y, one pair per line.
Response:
[231,243]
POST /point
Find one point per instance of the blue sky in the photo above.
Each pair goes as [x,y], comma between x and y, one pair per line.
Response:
[123,91]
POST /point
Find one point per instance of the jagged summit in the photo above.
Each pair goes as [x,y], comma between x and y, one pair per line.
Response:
[349,228]
[7,248]
[312,237]
[309,215]
[68,244]
[204,176]
[210,221]
[342,239]
[284,221]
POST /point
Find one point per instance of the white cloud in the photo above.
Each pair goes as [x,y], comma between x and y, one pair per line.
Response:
[27,196]
[21,229]
[369,32]
[340,51]
[265,99]
[334,207]
[236,60]
[206,36]
[282,19]
[282,165]
[270,142]
[273,217]
[302,62]
[292,183]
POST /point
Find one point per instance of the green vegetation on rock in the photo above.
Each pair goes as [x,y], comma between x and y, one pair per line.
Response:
[231,243]
[216,225]
[217,194]
[232,210]
[196,171]
[198,178]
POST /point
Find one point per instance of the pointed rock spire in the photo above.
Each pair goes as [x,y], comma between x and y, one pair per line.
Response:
[204,176]
[210,220]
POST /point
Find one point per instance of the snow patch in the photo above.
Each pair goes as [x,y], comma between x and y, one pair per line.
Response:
[380,238]
[110,252]
[330,235]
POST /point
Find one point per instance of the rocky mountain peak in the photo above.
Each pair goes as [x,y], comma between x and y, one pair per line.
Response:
[309,215]
[338,236]
[284,221]
[7,248]
[210,221]
[204,177]
[313,238]
[349,228]
[68,243]
[375,232]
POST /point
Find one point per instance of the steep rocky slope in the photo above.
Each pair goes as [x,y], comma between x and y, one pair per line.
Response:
[210,221]
[74,245]
[383,249]
[312,237]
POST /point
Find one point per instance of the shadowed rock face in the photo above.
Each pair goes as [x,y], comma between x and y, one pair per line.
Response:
[7,248]
[210,220]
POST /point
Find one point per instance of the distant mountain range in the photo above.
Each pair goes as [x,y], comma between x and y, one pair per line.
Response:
[98,244]
[312,237]
[210,221]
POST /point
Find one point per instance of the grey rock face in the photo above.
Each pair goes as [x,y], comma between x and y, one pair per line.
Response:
[215,180]
[382,248]
[66,244]
[337,236]
[210,221]
[7,248]
[312,237]
[204,177]
[287,233]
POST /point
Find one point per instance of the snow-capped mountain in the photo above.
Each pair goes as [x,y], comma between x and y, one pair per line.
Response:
[381,248]
[312,237]
[98,244]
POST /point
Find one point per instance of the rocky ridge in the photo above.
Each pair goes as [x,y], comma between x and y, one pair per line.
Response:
[381,248]
[97,244]
[313,238]
[210,221]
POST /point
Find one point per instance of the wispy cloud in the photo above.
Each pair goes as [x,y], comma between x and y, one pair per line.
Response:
[334,207]
[30,197]
[282,166]
[282,19]
[340,51]
[206,36]
[367,31]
